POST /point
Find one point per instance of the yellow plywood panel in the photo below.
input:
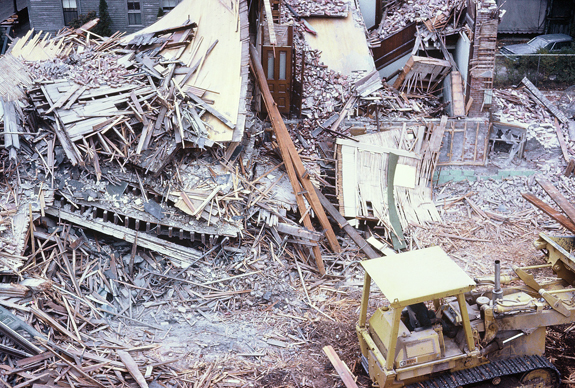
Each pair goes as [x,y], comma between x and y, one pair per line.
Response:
[220,72]
[342,44]
[417,276]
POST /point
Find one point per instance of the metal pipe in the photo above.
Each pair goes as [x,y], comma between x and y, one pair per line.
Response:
[497,292]
[512,338]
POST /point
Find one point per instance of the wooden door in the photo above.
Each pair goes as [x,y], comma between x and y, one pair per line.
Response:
[277,64]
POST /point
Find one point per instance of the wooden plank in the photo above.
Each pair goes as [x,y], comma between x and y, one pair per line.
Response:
[298,232]
[285,142]
[556,196]
[566,222]
[457,97]
[280,130]
[67,145]
[340,367]
[544,101]
[270,20]
[143,240]
[132,368]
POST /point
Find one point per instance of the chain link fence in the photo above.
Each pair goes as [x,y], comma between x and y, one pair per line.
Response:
[550,71]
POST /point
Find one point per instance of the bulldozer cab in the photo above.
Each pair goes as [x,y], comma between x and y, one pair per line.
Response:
[426,292]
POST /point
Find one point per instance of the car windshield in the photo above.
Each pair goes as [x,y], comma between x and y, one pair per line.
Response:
[537,43]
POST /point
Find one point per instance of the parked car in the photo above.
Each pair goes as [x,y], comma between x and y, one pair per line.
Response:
[550,42]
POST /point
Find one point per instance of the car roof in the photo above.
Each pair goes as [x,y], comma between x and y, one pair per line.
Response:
[555,37]
[418,276]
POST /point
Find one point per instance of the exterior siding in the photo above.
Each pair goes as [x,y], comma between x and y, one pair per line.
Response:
[21,4]
[46,15]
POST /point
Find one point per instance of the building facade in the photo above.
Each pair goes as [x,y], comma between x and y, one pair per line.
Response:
[126,15]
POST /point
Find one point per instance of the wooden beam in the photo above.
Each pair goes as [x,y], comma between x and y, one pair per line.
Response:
[550,211]
[350,230]
[289,152]
[562,142]
[544,101]
[292,162]
[270,19]
[340,367]
[559,199]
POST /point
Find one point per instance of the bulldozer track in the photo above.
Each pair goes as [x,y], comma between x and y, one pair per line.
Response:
[486,372]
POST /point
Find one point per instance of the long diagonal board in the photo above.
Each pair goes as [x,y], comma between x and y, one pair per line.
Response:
[298,175]
[550,211]
[558,198]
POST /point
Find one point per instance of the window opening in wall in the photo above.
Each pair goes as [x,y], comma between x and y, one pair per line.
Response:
[134,13]
[167,5]
[70,9]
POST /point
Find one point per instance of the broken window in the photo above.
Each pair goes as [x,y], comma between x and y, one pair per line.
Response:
[134,13]
[70,9]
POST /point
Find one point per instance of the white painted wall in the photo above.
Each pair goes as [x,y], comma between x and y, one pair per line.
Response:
[461,57]
[396,65]
[367,8]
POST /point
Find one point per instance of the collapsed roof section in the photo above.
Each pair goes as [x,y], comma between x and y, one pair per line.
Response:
[216,59]
[342,43]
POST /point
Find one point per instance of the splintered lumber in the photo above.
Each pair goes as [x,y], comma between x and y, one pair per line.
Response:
[132,368]
[350,230]
[556,196]
[287,147]
[340,367]
[287,159]
[550,211]
[294,164]
[421,73]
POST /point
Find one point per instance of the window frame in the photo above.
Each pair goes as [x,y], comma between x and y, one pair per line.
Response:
[135,13]
[69,13]
[169,7]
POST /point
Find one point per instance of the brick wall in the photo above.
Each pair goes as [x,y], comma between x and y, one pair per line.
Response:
[482,62]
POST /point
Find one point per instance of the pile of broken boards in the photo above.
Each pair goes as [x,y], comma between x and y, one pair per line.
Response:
[88,204]
[142,117]
[550,194]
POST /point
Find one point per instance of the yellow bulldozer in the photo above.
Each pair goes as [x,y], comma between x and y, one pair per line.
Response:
[443,329]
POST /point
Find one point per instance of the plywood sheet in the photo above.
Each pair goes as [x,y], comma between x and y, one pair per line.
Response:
[342,44]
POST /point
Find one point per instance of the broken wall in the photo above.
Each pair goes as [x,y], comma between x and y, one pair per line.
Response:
[461,56]
[482,63]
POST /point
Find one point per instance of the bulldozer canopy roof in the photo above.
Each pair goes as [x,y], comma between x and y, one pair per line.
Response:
[418,276]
